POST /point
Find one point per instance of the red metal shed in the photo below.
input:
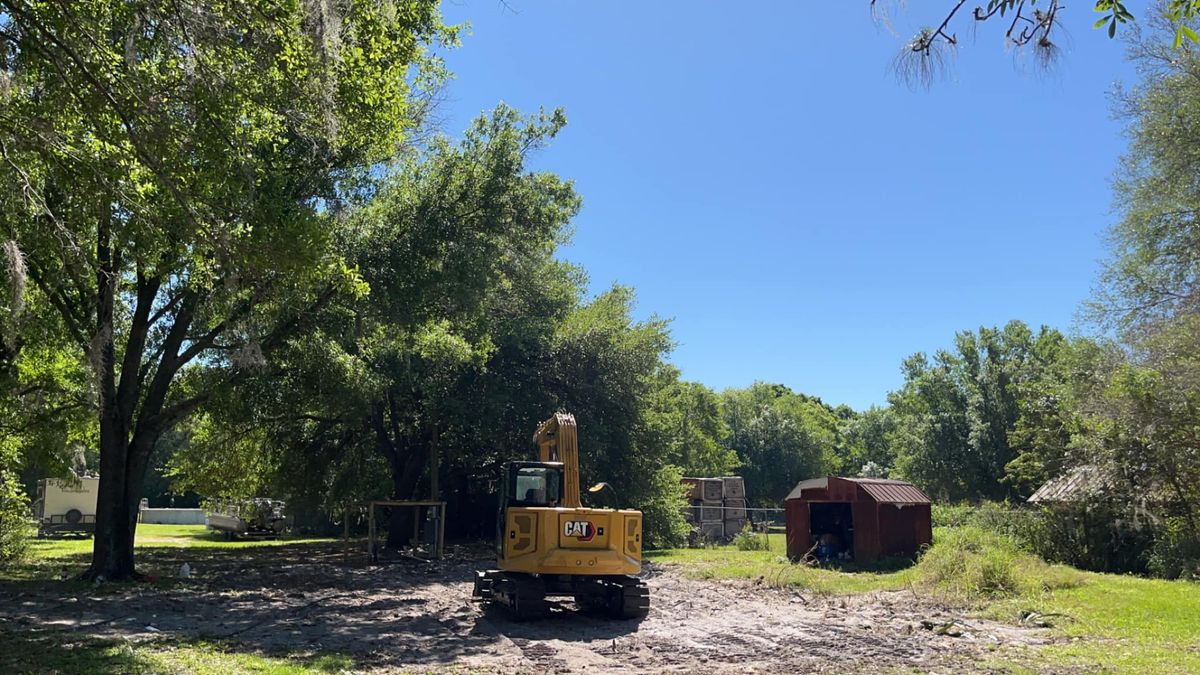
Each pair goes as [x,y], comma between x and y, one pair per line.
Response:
[863,519]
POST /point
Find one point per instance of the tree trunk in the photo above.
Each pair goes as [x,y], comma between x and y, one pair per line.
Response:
[125,446]
[112,548]
[112,544]
[407,467]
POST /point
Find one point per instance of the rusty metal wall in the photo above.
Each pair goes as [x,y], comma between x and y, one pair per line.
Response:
[799,539]
[890,517]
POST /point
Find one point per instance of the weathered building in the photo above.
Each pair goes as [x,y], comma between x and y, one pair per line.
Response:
[859,519]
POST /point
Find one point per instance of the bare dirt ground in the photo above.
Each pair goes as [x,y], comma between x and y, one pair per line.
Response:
[409,615]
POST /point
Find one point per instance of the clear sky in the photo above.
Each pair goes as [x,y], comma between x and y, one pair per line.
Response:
[759,175]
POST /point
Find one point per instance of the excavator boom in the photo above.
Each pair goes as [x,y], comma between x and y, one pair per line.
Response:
[558,441]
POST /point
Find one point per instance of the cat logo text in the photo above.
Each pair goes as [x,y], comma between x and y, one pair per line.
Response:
[580,529]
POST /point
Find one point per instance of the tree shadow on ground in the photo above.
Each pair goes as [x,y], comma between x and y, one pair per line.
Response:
[285,599]
[46,650]
[28,649]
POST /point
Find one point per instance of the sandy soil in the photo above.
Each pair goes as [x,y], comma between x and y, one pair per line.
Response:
[410,615]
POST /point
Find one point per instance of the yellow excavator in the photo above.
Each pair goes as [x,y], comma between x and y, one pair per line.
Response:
[549,544]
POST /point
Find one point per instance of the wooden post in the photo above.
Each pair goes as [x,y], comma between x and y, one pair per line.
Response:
[371,532]
[346,533]
[441,540]
[416,526]
[435,462]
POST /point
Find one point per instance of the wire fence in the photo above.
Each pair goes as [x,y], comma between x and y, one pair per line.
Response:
[760,519]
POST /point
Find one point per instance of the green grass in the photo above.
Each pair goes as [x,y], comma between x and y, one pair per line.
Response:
[51,558]
[148,536]
[970,566]
[1104,622]
[773,568]
[28,649]
[59,652]
[203,657]
[1123,623]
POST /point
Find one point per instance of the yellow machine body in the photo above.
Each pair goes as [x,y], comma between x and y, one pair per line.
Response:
[549,544]
[571,541]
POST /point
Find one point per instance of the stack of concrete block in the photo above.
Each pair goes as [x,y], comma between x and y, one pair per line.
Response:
[705,500]
[717,506]
[733,495]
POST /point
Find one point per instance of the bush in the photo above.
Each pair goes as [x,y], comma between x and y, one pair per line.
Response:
[663,524]
[952,515]
[970,563]
[1102,537]
[15,526]
[1176,553]
[1097,536]
[749,540]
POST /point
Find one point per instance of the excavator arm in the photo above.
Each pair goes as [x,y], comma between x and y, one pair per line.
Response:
[558,441]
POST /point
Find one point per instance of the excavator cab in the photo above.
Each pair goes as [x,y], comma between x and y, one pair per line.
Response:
[549,544]
[532,484]
[536,484]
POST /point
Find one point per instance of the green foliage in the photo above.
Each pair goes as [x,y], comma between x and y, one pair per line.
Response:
[780,438]
[446,341]
[221,462]
[1151,273]
[1102,535]
[973,564]
[951,515]
[663,524]
[749,540]
[1176,553]
[964,418]
[15,527]
[686,416]
[174,177]
[869,448]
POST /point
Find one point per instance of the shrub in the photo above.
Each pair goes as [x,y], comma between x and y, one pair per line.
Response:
[1102,536]
[15,526]
[749,540]
[1176,553]
[970,563]
[663,524]
[1097,536]
[952,515]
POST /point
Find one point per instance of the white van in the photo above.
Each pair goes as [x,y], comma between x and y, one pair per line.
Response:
[66,505]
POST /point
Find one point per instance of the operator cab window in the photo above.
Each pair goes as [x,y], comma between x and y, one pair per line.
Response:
[538,487]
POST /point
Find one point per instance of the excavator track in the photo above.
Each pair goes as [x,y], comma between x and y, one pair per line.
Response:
[525,595]
[635,598]
[614,597]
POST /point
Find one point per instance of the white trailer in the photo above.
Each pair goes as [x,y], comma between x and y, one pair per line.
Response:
[66,505]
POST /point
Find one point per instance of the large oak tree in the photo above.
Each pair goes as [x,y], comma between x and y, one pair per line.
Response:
[173,173]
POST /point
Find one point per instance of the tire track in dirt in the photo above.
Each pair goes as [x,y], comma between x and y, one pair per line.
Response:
[414,616]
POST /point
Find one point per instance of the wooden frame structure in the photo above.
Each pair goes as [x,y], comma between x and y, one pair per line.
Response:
[439,546]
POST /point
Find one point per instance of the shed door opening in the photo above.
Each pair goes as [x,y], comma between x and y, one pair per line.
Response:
[832,528]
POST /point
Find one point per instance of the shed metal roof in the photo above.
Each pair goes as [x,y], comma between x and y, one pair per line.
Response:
[1078,484]
[882,490]
[891,491]
[811,483]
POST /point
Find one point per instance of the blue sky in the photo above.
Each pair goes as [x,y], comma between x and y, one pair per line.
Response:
[758,174]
